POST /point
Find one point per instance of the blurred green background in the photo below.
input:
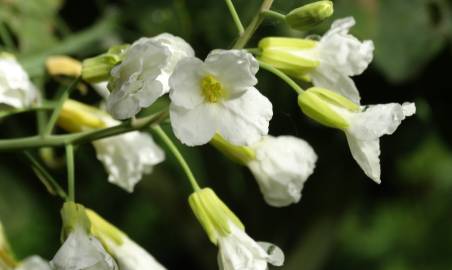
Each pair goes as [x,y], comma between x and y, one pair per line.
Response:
[344,220]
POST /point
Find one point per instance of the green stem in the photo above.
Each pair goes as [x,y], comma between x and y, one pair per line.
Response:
[282,76]
[254,24]
[56,112]
[70,172]
[6,37]
[46,178]
[275,15]
[81,137]
[172,147]
[42,108]
[235,16]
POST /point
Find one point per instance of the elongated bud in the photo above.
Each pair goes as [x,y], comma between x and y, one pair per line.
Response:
[74,215]
[240,154]
[213,214]
[326,107]
[287,54]
[76,116]
[103,230]
[63,65]
[310,15]
[97,69]
[7,260]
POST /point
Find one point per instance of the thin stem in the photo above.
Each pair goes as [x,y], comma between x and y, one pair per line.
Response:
[172,147]
[6,37]
[254,24]
[56,112]
[282,76]
[275,15]
[81,137]
[70,172]
[46,178]
[42,108]
[235,16]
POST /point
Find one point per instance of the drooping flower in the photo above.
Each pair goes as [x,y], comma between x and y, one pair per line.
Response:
[34,263]
[281,165]
[363,125]
[16,89]
[142,77]
[80,250]
[126,157]
[218,96]
[237,250]
[328,63]
[128,254]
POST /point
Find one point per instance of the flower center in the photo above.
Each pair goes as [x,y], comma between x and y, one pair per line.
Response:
[212,89]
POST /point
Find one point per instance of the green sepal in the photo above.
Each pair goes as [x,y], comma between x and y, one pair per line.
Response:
[214,216]
[308,16]
[74,216]
[103,230]
[318,104]
[240,154]
[98,68]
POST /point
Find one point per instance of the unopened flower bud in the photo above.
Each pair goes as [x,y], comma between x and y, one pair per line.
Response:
[240,154]
[326,107]
[63,65]
[310,15]
[76,117]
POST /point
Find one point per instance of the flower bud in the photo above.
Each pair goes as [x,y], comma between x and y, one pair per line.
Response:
[310,15]
[214,216]
[63,65]
[240,154]
[97,69]
[76,117]
[326,107]
[74,216]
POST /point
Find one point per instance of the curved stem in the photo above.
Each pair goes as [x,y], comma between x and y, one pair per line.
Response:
[275,15]
[235,16]
[254,24]
[282,76]
[70,172]
[172,147]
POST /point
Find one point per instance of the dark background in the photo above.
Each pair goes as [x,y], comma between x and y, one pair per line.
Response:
[344,220]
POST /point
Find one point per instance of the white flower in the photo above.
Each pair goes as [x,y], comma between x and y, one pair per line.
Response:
[128,156]
[328,63]
[16,89]
[341,55]
[363,125]
[128,254]
[238,251]
[34,263]
[142,77]
[81,251]
[281,167]
[366,128]
[218,96]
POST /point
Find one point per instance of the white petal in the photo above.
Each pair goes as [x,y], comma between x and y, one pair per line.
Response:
[367,155]
[326,76]
[127,157]
[185,83]
[82,252]
[235,69]
[131,256]
[378,120]
[34,263]
[179,49]
[239,251]
[142,64]
[244,120]
[101,89]
[194,126]
[275,254]
[341,49]
[282,166]
[16,89]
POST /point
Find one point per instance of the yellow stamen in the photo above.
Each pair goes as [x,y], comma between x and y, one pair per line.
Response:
[212,90]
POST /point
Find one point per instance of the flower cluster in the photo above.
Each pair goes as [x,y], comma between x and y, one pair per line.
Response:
[216,101]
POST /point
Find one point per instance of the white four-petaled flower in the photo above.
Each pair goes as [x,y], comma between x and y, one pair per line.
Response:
[218,96]
[142,77]
[16,89]
[34,263]
[281,167]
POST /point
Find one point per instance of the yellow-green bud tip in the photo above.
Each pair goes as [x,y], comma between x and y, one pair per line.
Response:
[326,107]
[214,216]
[310,15]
